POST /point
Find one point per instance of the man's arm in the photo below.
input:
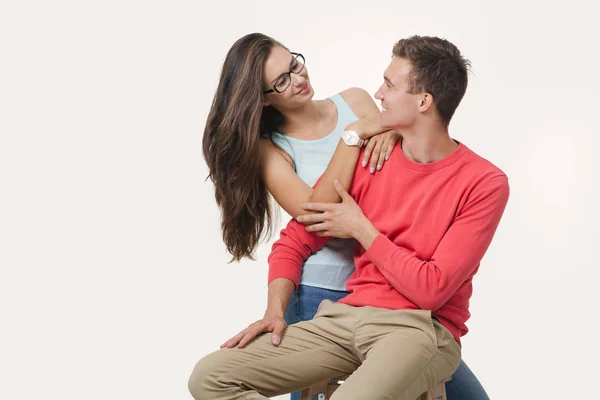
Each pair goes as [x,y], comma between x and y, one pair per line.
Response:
[280,292]
[285,265]
[430,283]
[288,253]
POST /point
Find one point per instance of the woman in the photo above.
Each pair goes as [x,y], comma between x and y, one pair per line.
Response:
[266,135]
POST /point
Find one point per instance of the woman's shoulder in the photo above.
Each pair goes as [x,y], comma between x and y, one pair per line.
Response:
[268,150]
[360,101]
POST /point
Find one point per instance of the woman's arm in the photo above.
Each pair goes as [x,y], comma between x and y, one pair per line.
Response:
[285,185]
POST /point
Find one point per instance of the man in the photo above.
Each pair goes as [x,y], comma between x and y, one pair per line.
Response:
[423,223]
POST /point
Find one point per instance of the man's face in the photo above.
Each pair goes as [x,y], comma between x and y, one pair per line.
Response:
[400,108]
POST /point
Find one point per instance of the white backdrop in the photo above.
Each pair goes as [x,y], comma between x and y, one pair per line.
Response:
[114,279]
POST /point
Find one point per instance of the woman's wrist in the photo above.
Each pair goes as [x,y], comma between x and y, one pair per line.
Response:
[368,127]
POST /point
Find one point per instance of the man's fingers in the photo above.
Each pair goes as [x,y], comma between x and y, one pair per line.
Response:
[278,332]
[316,206]
[317,227]
[234,340]
[324,233]
[311,218]
[245,340]
[250,335]
[341,190]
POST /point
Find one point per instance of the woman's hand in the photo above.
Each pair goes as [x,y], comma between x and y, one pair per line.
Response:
[378,149]
[380,141]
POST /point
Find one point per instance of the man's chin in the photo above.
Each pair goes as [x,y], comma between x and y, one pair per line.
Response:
[384,123]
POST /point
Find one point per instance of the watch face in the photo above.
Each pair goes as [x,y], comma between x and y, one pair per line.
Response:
[351,138]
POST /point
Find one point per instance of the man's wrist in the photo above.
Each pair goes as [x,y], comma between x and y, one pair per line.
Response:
[280,293]
[274,312]
[366,233]
[275,307]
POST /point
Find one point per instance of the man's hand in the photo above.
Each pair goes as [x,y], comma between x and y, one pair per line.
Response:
[342,220]
[275,324]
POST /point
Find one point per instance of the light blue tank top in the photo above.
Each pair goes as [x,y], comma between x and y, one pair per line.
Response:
[330,267]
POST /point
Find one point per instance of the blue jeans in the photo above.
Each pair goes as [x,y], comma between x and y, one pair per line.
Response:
[303,307]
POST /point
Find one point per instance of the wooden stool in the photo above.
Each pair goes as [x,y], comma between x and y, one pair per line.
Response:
[324,390]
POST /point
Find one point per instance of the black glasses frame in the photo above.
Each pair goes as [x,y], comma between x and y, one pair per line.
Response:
[289,74]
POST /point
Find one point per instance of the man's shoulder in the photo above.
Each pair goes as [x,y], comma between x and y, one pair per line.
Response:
[481,177]
[482,166]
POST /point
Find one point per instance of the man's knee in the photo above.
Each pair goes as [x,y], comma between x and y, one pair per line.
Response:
[204,383]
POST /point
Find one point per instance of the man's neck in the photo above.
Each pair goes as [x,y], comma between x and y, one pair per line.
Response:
[427,144]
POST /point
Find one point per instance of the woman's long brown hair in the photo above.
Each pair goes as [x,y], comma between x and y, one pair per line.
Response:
[236,123]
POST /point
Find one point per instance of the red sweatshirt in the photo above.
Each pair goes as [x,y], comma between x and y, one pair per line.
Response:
[436,222]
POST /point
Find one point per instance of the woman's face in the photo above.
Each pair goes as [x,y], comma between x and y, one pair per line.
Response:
[295,87]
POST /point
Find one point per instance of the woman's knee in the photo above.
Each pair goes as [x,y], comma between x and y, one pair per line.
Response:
[465,385]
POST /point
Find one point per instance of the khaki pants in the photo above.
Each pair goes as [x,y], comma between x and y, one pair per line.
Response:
[390,354]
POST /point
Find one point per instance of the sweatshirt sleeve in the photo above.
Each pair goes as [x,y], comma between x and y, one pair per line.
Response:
[430,283]
[291,250]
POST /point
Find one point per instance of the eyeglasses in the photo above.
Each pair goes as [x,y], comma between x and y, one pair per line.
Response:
[284,80]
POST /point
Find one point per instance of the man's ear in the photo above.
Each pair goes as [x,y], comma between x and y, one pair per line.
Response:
[426,102]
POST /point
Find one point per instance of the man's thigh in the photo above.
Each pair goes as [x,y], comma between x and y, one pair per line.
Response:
[310,352]
[402,358]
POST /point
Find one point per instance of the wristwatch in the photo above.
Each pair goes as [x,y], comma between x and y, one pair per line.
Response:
[351,139]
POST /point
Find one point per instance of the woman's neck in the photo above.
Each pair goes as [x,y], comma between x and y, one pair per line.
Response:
[307,122]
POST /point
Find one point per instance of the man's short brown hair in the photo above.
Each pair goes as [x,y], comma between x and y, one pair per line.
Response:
[437,68]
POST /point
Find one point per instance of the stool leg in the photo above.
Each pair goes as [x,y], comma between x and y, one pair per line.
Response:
[438,392]
[319,389]
[305,395]
[331,387]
